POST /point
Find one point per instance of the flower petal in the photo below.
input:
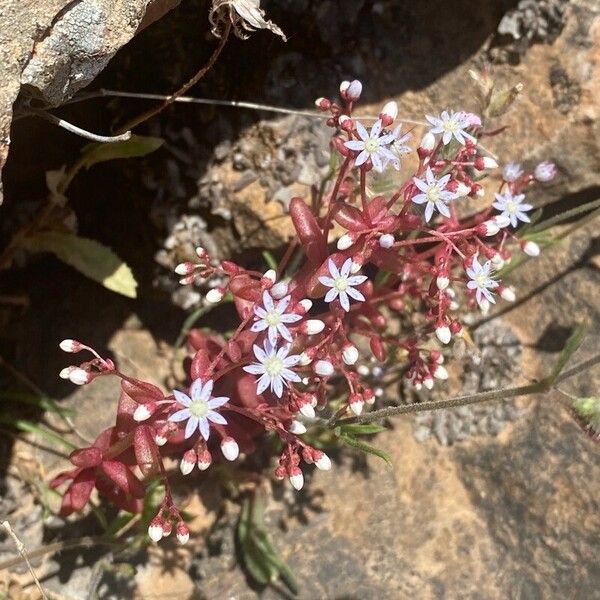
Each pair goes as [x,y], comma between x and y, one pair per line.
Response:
[180,415]
[344,301]
[215,417]
[190,427]
[255,369]
[204,428]
[216,402]
[182,398]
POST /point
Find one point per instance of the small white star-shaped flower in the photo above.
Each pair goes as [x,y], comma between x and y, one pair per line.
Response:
[341,284]
[511,172]
[512,207]
[481,281]
[451,125]
[398,147]
[434,194]
[372,145]
[274,318]
[199,408]
[274,367]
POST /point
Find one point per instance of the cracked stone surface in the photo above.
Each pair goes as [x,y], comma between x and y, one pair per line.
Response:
[56,47]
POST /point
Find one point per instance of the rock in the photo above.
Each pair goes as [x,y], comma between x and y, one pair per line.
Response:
[56,47]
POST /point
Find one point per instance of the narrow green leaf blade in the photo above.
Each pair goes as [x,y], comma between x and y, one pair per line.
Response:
[135,146]
[572,345]
[351,441]
[89,257]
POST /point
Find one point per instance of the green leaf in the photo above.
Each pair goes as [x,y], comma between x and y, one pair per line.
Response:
[155,492]
[41,402]
[269,259]
[89,257]
[262,562]
[136,145]
[351,441]
[122,519]
[572,345]
[361,428]
[29,427]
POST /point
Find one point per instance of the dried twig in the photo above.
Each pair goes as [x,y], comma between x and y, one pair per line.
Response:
[23,552]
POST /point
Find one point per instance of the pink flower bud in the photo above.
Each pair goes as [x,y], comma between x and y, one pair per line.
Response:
[155,530]
[188,461]
[501,220]
[297,428]
[356,403]
[230,448]
[323,103]
[215,296]
[345,241]
[185,268]
[312,326]
[507,293]
[443,333]
[204,460]
[321,460]
[545,171]
[442,282]
[440,372]
[490,228]
[182,532]
[530,248]
[306,305]
[144,411]
[388,113]
[350,354]
[70,346]
[354,90]
[78,376]
[296,478]
[279,290]
[324,368]
[306,409]
[386,240]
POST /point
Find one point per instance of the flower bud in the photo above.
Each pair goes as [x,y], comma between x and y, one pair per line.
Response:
[369,396]
[388,113]
[323,368]
[322,461]
[229,448]
[386,240]
[313,326]
[182,532]
[355,267]
[442,282]
[296,478]
[155,530]
[501,220]
[70,346]
[160,440]
[201,252]
[530,248]
[354,90]
[270,275]
[279,290]
[428,382]
[144,411]
[462,189]
[204,460]
[64,373]
[485,162]
[508,294]
[356,403]
[545,171]
[214,296]
[323,103]
[187,462]
[427,143]
[345,241]
[443,334]
[297,428]
[167,529]
[343,87]
[306,304]
[306,409]
[185,268]
[490,228]
[305,359]
[440,372]
[79,376]
[350,354]
[363,370]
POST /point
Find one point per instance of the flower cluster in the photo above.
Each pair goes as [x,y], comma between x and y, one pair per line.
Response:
[421,256]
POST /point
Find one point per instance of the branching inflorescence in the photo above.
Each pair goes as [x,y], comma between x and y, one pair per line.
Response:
[368,261]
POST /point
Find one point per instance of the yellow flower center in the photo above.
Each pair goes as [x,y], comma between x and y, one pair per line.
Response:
[273,317]
[511,207]
[199,408]
[450,126]
[341,284]
[481,280]
[372,145]
[273,366]
[433,193]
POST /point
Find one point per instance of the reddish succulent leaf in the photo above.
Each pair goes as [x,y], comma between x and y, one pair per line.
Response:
[308,230]
[125,410]
[245,385]
[140,391]
[377,209]
[105,439]
[64,476]
[118,497]
[146,451]
[200,364]
[246,288]
[123,477]
[377,348]
[350,217]
[78,493]
[86,457]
